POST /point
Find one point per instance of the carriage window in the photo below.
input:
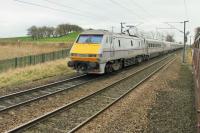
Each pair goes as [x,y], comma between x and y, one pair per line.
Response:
[149,45]
[131,43]
[110,40]
[119,43]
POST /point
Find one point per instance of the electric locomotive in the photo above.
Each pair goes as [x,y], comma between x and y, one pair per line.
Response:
[100,51]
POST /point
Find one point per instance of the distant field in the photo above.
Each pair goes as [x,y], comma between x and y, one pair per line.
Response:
[64,39]
[23,46]
[13,50]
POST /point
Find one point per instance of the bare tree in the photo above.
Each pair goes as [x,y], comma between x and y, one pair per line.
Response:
[33,32]
[152,34]
[60,30]
[170,38]
[50,31]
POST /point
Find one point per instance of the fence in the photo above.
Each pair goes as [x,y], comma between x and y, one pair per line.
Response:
[32,59]
[196,67]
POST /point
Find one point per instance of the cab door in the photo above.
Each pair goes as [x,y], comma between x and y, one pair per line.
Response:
[112,47]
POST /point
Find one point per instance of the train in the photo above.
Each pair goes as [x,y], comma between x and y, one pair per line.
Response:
[101,51]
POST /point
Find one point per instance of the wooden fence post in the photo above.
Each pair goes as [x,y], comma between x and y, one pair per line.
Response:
[16,62]
[30,60]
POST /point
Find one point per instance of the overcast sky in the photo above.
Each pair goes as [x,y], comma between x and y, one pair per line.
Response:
[16,17]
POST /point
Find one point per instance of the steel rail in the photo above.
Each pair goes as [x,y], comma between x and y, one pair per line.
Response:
[42,96]
[70,105]
[125,94]
[39,88]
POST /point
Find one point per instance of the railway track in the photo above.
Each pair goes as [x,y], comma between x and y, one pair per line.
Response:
[24,97]
[71,117]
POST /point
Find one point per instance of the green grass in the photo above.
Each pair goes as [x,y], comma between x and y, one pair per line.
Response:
[67,38]
[33,73]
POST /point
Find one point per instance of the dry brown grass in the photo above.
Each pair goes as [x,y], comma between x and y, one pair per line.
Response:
[32,73]
[8,51]
[189,56]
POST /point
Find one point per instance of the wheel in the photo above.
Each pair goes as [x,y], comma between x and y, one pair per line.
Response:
[108,68]
[117,65]
[147,58]
[139,59]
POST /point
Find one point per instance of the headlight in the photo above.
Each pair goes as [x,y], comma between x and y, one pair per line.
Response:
[73,54]
[92,55]
[86,55]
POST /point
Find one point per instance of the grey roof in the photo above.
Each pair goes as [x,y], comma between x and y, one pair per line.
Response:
[96,32]
[105,32]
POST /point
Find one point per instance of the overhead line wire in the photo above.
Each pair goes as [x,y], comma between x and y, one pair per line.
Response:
[186,9]
[187,15]
[70,7]
[139,6]
[120,5]
[55,9]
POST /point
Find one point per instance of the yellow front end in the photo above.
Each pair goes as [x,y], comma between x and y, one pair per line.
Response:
[85,52]
[85,57]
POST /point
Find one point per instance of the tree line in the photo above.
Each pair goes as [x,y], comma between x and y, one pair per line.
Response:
[59,31]
[158,35]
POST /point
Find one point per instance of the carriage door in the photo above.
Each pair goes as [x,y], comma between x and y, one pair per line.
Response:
[146,47]
[112,47]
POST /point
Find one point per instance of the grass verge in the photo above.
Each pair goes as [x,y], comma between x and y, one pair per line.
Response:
[33,73]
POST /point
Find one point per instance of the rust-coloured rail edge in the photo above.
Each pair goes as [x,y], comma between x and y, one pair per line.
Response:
[43,86]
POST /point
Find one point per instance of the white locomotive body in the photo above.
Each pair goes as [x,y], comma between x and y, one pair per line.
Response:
[99,51]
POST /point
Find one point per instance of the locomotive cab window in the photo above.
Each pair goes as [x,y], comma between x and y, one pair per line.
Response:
[90,39]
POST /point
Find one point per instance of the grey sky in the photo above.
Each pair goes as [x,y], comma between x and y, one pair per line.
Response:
[16,17]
